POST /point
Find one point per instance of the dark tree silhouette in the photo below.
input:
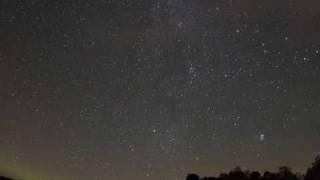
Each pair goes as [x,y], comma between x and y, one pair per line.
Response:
[193,177]
[255,175]
[237,174]
[5,178]
[313,173]
[223,176]
[284,173]
[209,178]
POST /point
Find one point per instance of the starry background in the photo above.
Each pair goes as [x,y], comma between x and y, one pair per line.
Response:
[155,89]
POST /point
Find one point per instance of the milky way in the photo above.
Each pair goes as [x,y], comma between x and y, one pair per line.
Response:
[155,89]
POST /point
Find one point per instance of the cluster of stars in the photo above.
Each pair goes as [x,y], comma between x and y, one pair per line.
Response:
[154,90]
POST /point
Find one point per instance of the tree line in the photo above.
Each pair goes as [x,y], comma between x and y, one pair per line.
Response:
[284,173]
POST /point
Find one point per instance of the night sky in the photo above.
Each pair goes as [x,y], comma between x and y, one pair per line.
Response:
[156,89]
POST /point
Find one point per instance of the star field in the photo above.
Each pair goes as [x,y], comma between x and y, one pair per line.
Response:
[155,89]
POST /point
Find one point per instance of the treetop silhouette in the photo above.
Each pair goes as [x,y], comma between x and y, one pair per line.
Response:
[284,173]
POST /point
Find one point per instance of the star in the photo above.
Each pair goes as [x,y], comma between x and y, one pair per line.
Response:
[261,137]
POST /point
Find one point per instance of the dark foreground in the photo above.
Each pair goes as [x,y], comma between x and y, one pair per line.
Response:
[284,173]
